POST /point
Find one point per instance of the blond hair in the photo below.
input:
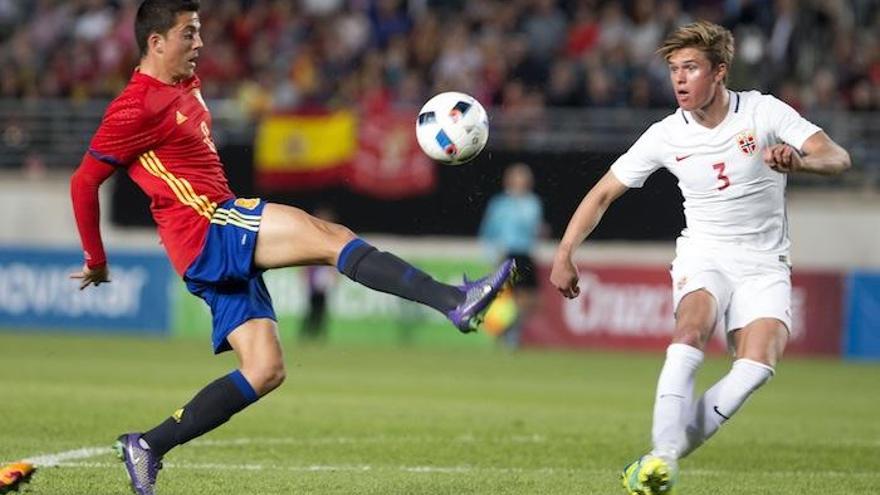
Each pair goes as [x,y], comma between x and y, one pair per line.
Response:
[713,40]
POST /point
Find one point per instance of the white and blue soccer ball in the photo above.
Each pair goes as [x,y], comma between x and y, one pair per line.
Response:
[452,128]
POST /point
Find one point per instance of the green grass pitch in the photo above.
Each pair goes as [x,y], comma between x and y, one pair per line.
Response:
[382,420]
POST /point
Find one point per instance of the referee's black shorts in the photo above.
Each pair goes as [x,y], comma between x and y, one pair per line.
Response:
[527,273]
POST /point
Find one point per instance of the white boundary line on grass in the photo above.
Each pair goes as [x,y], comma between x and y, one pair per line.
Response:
[465,438]
[89,452]
[44,460]
[76,459]
[535,438]
[452,469]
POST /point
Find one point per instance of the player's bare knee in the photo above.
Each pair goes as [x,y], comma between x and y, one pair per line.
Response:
[276,377]
[267,377]
[339,236]
[335,236]
[691,334]
[765,357]
[341,233]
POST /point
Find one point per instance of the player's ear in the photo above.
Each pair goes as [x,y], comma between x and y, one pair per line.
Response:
[721,72]
[156,42]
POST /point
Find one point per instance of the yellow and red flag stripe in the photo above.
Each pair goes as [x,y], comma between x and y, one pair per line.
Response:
[304,150]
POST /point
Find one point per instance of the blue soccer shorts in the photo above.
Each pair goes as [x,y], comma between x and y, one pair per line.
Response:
[224,276]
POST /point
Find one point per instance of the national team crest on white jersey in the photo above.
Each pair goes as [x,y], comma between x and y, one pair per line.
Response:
[747,142]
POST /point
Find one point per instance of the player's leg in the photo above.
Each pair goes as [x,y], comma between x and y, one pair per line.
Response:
[242,317]
[759,346]
[701,294]
[526,297]
[696,316]
[527,301]
[290,237]
[655,473]
[760,314]
[261,370]
[312,326]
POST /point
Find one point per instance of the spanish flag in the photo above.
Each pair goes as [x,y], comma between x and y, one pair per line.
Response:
[304,150]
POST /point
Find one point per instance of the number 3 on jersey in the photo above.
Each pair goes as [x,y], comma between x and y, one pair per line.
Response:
[207,140]
[725,180]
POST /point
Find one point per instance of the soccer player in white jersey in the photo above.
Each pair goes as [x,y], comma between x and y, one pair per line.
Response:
[731,152]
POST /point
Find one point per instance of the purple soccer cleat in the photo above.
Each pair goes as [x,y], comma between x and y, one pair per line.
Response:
[140,463]
[468,315]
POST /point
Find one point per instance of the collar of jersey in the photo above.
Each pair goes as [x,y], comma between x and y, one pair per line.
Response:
[190,82]
[689,117]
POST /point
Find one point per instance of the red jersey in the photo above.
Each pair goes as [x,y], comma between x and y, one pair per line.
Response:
[161,135]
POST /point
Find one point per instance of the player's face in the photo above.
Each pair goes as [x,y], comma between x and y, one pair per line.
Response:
[517,180]
[182,45]
[694,80]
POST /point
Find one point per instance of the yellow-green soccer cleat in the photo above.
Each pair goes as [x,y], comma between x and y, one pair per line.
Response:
[649,475]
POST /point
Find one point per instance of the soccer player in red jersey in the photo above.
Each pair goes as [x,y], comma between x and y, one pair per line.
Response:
[158,131]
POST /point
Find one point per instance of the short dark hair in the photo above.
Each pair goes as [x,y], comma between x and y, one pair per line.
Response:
[158,16]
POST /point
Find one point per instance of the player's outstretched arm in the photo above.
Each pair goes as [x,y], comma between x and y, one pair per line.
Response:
[84,185]
[821,156]
[564,275]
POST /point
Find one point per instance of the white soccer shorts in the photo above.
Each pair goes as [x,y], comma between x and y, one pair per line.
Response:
[746,285]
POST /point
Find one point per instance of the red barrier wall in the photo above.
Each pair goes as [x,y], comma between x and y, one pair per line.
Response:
[631,308]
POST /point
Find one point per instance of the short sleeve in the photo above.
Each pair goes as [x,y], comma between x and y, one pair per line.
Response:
[785,123]
[488,228]
[127,131]
[641,160]
[539,209]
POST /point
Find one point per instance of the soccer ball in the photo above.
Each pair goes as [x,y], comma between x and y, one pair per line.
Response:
[452,128]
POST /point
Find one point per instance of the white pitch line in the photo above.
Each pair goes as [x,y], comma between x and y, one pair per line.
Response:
[75,458]
[45,460]
[89,452]
[466,438]
[460,469]
[339,468]
[364,440]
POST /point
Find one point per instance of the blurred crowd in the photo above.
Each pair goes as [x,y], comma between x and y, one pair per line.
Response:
[513,54]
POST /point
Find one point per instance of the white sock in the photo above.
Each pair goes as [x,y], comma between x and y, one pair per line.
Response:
[675,389]
[722,400]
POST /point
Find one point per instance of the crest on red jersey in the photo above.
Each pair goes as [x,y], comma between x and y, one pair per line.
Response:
[747,142]
[248,203]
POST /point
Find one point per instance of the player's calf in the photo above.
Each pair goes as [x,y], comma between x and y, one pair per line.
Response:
[385,272]
[210,408]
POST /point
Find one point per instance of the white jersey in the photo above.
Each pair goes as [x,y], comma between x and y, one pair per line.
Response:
[730,194]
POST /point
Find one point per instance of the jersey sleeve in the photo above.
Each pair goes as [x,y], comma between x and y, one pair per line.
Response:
[84,184]
[640,161]
[785,123]
[537,212]
[127,130]
[489,224]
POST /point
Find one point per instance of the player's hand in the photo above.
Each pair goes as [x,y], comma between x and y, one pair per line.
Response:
[564,277]
[783,158]
[92,276]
